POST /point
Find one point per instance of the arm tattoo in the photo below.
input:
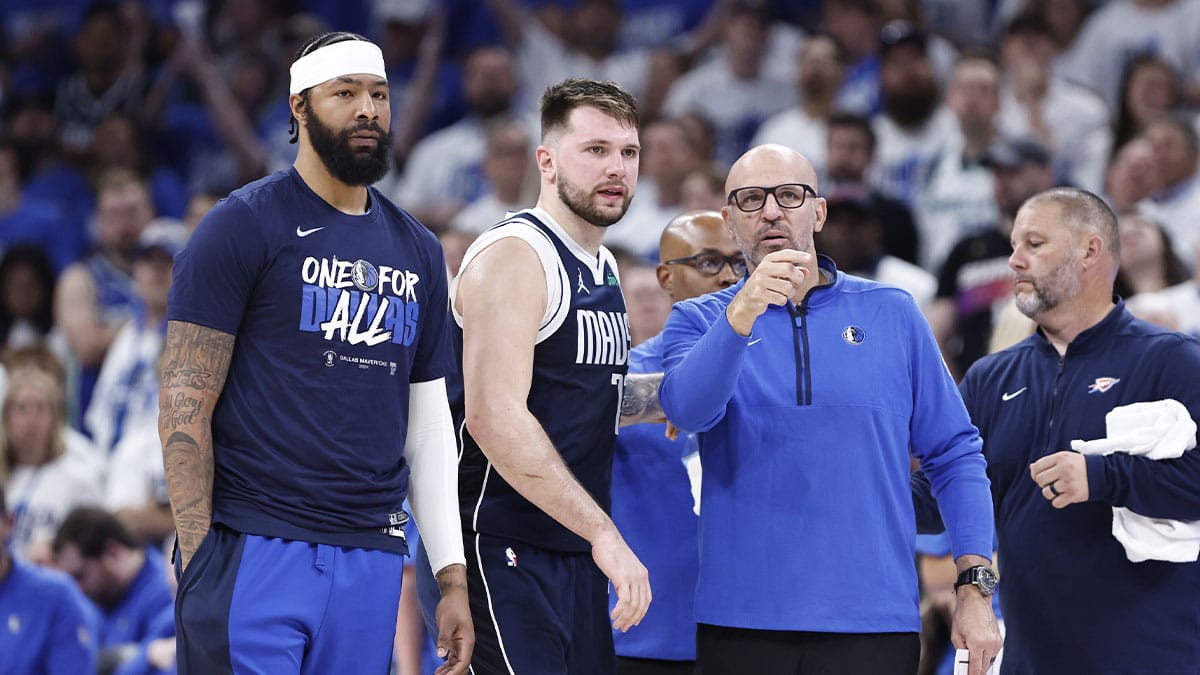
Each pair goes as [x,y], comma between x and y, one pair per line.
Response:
[195,357]
[195,361]
[640,402]
[189,473]
[452,577]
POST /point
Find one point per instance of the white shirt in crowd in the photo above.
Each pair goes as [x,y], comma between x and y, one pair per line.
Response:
[39,498]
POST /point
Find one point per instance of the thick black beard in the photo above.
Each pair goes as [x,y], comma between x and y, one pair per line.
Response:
[911,109]
[352,167]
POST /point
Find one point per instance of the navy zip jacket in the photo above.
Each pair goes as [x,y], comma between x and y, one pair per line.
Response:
[1072,601]
[806,519]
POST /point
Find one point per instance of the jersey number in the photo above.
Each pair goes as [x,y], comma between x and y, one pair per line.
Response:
[618,381]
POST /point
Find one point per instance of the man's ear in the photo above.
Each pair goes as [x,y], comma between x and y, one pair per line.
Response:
[1092,250]
[665,281]
[297,104]
[545,163]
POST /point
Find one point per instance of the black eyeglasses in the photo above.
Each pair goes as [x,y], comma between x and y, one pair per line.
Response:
[711,264]
[788,196]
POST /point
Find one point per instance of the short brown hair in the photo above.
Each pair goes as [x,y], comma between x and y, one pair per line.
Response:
[606,96]
[1083,211]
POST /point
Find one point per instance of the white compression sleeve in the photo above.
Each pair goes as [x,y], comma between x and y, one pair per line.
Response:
[432,460]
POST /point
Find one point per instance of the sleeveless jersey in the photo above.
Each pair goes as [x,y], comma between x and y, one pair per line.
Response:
[579,368]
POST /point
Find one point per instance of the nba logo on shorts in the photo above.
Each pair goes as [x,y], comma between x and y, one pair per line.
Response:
[511,556]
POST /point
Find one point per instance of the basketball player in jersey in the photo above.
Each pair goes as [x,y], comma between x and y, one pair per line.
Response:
[303,392]
[545,353]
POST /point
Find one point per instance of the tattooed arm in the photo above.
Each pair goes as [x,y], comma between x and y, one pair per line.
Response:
[195,361]
[640,402]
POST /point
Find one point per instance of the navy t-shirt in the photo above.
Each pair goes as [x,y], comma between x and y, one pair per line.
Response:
[334,315]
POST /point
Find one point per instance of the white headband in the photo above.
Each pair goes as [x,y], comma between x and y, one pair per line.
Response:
[348,57]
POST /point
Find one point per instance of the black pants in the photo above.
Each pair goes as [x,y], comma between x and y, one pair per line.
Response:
[631,666]
[734,651]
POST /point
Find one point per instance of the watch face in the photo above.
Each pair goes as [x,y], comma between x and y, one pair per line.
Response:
[987,580]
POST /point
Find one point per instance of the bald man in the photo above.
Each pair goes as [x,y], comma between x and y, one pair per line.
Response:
[807,389]
[651,492]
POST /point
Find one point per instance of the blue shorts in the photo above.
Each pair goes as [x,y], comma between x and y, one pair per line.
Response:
[251,604]
[537,611]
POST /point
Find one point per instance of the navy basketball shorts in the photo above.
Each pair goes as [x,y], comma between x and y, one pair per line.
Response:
[251,604]
[536,611]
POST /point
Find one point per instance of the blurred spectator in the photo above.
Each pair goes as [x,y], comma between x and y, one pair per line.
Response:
[853,237]
[444,173]
[424,90]
[1121,30]
[854,25]
[703,189]
[126,393]
[667,159]
[28,219]
[1133,175]
[849,155]
[508,171]
[1177,307]
[240,27]
[803,127]
[95,295]
[121,144]
[199,204]
[27,300]
[46,471]
[1009,326]
[956,200]
[702,136]
[735,91]
[1148,262]
[589,49]
[975,282]
[31,126]
[1176,153]
[110,76]
[648,305]
[454,245]
[913,123]
[49,625]
[1034,101]
[125,580]
[136,489]
[978,23]
[221,136]
[1065,19]
[1150,88]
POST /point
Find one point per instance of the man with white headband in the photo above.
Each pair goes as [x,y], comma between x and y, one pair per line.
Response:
[303,392]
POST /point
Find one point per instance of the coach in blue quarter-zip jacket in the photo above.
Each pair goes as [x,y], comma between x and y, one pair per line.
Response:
[809,388]
[1073,602]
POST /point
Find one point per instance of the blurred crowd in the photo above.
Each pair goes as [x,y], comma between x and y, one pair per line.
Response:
[928,122]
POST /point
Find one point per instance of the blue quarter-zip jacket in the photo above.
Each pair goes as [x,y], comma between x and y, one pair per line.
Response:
[806,428]
[1072,601]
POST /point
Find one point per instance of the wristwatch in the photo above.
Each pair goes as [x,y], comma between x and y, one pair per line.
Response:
[981,576]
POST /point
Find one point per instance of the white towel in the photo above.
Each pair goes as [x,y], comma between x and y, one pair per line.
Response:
[1158,430]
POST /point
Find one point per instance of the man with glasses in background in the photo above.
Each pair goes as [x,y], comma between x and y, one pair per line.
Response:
[808,388]
[656,477]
